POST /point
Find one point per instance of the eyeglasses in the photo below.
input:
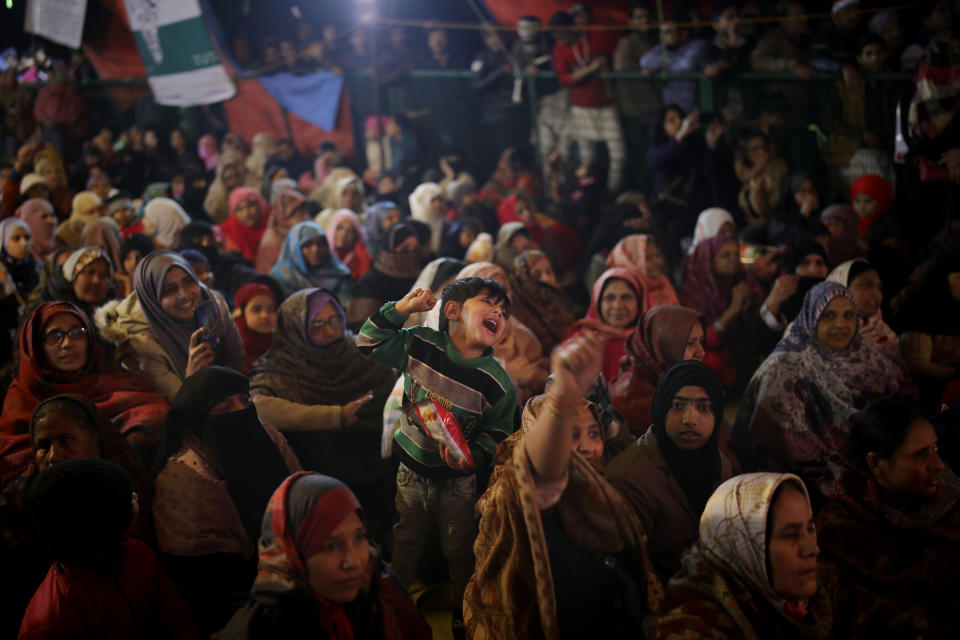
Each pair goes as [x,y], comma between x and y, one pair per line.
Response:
[55,337]
[333,323]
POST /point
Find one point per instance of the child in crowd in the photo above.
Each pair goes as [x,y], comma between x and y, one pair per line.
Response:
[453,368]
[121,208]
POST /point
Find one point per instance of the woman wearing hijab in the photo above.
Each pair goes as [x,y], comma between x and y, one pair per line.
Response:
[711,223]
[85,278]
[538,302]
[870,198]
[669,474]
[287,209]
[552,529]
[716,285]
[338,191]
[255,312]
[616,304]
[554,238]
[217,467]
[518,349]
[333,416]
[346,242]
[891,523]
[247,223]
[16,257]
[513,239]
[842,222]
[59,353]
[104,234]
[640,254]
[164,220]
[428,205]
[318,572]
[39,216]
[378,218]
[663,337]
[261,146]
[86,207]
[753,572]
[800,404]
[230,175]
[394,270]
[798,212]
[208,152]
[306,262]
[864,283]
[155,328]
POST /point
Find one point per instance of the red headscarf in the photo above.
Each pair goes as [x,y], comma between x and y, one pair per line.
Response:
[877,188]
[615,338]
[238,236]
[255,344]
[127,400]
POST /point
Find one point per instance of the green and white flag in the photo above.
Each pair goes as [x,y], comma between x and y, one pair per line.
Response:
[183,68]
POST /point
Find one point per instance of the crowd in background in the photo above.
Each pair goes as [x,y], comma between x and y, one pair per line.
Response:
[685,387]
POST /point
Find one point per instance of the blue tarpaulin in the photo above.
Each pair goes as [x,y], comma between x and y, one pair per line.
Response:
[315,96]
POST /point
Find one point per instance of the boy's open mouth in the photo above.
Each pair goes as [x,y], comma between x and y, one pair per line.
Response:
[491,325]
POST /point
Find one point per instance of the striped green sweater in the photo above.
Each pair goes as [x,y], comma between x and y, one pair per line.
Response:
[476,390]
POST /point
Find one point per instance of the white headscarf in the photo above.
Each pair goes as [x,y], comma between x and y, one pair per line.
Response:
[168,218]
[708,225]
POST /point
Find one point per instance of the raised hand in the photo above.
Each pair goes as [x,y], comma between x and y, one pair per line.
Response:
[416,300]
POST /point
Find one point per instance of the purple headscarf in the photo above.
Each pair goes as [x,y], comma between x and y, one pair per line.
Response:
[317,301]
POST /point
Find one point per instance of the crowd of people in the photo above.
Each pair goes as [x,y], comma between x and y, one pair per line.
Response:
[249,393]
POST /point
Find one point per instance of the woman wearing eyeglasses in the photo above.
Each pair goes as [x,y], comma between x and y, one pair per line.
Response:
[59,354]
[326,397]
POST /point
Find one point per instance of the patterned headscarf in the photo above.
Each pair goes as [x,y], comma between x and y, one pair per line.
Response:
[733,527]
[804,329]
[81,259]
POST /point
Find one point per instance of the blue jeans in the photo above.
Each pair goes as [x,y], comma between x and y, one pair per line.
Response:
[447,505]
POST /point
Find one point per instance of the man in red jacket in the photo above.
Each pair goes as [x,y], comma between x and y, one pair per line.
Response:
[580,59]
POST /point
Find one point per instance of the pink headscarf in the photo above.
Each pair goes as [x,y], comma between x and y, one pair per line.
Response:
[357,258]
[631,253]
[42,232]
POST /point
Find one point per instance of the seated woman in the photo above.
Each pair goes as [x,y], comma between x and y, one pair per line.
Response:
[100,583]
[663,337]
[716,285]
[930,342]
[255,312]
[306,262]
[841,220]
[346,242]
[86,207]
[669,474]
[639,253]
[753,572]
[59,353]
[538,302]
[798,213]
[87,279]
[559,550]
[318,572]
[155,330]
[800,404]
[247,223]
[518,349]
[39,216]
[513,239]
[711,223]
[763,176]
[870,198]
[287,208]
[104,234]
[554,238]
[17,259]
[616,304]
[62,427]
[331,413]
[864,283]
[163,220]
[378,218]
[217,467]
[891,524]
[428,205]
[395,268]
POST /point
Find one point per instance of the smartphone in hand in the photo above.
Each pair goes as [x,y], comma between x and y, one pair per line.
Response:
[206,317]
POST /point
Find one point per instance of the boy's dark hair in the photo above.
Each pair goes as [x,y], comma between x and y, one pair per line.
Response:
[881,428]
[461,290]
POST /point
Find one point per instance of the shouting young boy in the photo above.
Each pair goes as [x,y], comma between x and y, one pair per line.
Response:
[452,369]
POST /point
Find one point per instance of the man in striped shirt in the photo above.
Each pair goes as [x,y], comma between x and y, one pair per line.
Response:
[454,368]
